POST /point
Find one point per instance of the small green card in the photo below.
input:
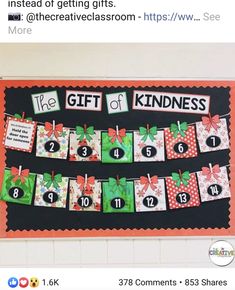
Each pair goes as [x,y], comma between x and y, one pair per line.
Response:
[117,152]
[14,190]
[119,199]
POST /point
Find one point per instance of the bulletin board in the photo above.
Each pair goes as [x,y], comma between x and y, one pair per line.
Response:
[91,158]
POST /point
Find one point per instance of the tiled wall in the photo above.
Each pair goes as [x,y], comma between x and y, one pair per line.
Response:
[165,61]
[108,253]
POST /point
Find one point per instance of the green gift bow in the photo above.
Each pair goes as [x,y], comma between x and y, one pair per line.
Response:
[178,178]
[18,116]
[85,132]
[49,180]
[179,129]
[117,185]
[148,132]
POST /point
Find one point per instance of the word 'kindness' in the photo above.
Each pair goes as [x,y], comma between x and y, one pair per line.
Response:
[171,102]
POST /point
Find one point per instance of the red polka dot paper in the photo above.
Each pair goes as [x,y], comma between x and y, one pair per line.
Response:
[213,188]
[190,191]
[189,139]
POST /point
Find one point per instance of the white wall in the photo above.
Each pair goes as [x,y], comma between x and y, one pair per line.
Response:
[190,61]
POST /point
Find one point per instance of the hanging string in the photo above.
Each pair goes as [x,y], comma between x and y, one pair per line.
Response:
[128,179]
[129,130]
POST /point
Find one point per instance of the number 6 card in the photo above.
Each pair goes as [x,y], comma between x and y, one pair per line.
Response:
[180,141]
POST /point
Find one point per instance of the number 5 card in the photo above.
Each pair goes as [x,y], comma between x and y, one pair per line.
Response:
[149,145]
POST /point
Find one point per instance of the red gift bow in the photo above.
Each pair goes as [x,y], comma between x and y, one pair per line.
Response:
[209,122]
[19,174]
[149,181]
[211,171]
[85,183]
[116,134]
[56,130]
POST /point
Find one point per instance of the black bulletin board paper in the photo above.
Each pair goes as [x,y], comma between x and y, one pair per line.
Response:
[212,215]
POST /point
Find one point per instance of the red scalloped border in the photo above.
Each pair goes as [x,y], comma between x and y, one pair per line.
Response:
[120,232]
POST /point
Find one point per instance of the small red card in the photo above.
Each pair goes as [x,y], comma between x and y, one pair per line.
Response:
[181,147]
[19,134]
[184,195]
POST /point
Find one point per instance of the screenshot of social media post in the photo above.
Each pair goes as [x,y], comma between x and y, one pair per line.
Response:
[117,133]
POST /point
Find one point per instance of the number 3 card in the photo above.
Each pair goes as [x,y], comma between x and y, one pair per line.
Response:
[85,144]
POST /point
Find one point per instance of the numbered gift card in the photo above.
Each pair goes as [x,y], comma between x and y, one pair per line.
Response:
[51,190]
[52,141]
[180,141]
[182,190]
[213,183]
[18,185]
[212,134]
[85,194]
[149,145]
[117,146]
[118,195]
[85,144]
[150,194]
[19,133]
